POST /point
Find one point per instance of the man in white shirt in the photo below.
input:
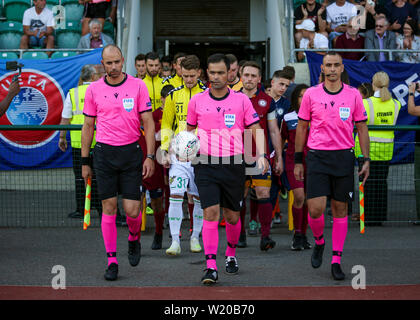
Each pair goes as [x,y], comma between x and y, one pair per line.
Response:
[38,27]
[310,38]
[338,14]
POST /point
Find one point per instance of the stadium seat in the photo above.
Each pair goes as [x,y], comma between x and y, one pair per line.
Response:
[52,3]
[14,9]
[10,34]
[63,54]
[74,10]
[9,55]
[70,36]
[109,29]
[34,55]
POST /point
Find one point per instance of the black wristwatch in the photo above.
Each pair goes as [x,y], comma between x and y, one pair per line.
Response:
[151,156]
[367,159]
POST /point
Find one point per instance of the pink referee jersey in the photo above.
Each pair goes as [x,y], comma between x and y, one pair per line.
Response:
[117,109]
[221,122]
[332,116]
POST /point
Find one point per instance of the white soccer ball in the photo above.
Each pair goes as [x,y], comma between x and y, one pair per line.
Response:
[185,146]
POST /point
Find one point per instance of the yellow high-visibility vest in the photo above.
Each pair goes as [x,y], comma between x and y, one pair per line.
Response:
[77,97]
[380,113]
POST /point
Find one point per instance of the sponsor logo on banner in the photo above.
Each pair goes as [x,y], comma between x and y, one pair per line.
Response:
[39,102]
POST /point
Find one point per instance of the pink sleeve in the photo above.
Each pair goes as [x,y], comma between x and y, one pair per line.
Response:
[305,107]
[89,106]
[191,113]
[144,99]
[250,115]
[359,110]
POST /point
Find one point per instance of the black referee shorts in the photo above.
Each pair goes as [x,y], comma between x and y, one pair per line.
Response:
[118,170]
[96,10]
[221,184]
[330,173]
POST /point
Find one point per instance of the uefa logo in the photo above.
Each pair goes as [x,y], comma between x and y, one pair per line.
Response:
[39,102]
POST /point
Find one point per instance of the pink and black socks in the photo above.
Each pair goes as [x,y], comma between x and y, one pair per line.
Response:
[233,231]
[339,233]
[134,227]
[109,234]
[210,235]
[317,227]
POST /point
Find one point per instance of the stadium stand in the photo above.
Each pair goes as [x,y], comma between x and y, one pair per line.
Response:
[14,9]
[10,34]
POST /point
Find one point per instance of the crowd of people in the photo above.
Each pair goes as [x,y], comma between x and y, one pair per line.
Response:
[363,24]
[39,23]
[179,94]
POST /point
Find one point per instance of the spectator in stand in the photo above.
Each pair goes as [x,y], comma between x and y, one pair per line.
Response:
[380,38]
[140,65]
[38,27]
[370,14]
[314,11]
[399,12]
[95,38]
[338,14]
[94,9]
[410,41]
[351,39]
[310,38]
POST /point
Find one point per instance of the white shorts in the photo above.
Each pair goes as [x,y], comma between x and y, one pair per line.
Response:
[181,178]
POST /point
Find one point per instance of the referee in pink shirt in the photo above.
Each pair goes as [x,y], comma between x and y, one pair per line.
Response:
[117,103]
[221,115]
[332,108]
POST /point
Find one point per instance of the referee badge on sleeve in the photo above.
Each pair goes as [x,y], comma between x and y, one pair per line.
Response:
[128,104]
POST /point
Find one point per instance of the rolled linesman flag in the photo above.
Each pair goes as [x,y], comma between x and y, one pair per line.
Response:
[360,160]
[86,217]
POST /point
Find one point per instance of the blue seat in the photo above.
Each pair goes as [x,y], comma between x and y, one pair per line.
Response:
[69,37]
[14,9]
[10,34]
[9,55]
[35,55]
[63,54]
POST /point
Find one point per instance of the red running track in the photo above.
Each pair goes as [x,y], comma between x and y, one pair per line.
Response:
[385,292]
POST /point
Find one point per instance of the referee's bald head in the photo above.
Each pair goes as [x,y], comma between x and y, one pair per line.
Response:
[111,49]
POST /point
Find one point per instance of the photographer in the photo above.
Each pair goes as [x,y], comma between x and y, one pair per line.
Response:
[13,91]
[415,111]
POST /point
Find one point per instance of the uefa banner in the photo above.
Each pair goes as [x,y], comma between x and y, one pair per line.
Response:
[400,75]
[44,86]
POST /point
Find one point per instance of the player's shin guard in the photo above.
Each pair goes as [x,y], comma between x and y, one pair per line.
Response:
[233,231]
[265,216]
[197,219]
[210,242]
[339,233]
[109,234]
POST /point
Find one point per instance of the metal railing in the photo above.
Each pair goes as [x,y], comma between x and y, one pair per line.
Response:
[45,197]
[390,51]
[21,51]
